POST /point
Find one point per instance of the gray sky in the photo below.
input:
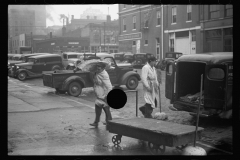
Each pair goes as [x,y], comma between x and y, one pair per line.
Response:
[76,10]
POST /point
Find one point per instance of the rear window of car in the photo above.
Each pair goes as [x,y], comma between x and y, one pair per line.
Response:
[140,56]
[72,56]
[216,73]
[31,59]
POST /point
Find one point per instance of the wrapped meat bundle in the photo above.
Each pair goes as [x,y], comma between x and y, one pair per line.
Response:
[91,65]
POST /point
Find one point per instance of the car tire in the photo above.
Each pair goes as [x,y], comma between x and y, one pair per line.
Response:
[74,89]
[22,76]
[132,83]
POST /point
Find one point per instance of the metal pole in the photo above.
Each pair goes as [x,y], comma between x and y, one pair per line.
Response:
[104,35]
[136,103]
[200,98]
[100,38]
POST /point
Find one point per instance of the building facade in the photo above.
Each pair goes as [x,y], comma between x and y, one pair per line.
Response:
[39,24]
[80,23]
[182,29]
[216,28]
[92,13]
[140,29]
[54,45]
[20,22]
[103,37]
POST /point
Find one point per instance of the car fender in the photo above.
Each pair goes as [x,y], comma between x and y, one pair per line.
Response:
[124,78]
[24,70]
[56,66]
[71,79]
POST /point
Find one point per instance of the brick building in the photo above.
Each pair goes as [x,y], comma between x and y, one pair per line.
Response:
[182,29]
[140,29]
[216,27]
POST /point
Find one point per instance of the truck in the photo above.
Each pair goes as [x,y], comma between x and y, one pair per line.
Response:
[73,82]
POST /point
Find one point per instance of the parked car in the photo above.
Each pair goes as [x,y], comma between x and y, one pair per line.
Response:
[183,77]
[141,59]
[10,56]
[36,65]
[119,57]
[68,81]
[67,56]
[129,57]
[22,59]
[169,56]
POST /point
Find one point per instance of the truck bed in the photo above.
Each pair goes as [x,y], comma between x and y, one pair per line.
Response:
[55,79]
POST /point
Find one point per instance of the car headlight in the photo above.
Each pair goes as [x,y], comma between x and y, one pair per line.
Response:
[17,67]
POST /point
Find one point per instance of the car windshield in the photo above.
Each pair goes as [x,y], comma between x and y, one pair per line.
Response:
[140,56]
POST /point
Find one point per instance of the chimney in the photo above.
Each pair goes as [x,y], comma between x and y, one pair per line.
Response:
[108,18]
[63,31]
[72,17]
[63,22]
[50,35]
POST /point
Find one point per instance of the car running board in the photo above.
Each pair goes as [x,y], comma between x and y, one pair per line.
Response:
[200,115]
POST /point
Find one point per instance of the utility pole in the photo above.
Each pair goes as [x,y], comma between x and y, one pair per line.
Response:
[104,35]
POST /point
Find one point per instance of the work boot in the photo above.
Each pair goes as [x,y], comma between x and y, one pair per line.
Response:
[142,109]
[98,112]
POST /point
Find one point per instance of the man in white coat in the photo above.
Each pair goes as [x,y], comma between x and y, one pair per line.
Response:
[150,87]
[102,86]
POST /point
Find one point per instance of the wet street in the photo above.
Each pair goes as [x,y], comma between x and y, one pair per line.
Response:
[41,122]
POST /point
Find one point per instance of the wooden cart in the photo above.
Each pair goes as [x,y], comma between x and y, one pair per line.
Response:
[159,134]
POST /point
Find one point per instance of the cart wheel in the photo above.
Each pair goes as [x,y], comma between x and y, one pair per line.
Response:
[116,139]
[162,149]
[182,147]
[152,146]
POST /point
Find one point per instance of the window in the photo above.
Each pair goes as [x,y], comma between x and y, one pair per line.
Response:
[146,42]
[124,25]
[216,73]
[171,42]
[189,12]
[146,20]
[134,22]
[174,14]
[228,40]
[228,10]
[214,11]
[134,43]
[158,18]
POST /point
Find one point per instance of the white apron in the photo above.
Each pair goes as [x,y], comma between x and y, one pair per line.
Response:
[149,80]
[102,85]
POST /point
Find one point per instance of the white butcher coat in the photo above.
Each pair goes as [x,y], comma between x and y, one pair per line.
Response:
[102,85]
[149,80]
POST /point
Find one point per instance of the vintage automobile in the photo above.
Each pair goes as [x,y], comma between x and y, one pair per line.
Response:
[23,59]
[183,79]
[169,56]
[36,65]
[119,57]
[141,59]
[68,81]
[67,56]
[11,55]
[129,57]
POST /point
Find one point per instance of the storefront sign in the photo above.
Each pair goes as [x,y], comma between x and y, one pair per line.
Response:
[73,42]
[130,36]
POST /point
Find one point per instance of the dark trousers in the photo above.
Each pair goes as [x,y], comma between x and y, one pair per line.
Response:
[147,110]
[98,112]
